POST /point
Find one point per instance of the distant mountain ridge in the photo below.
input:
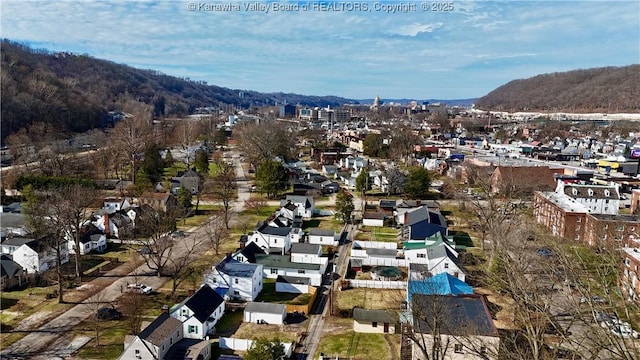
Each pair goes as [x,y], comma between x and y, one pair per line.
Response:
[76,92]
[606,89]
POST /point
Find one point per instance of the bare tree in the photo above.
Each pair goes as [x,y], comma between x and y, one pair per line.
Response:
[186,135]
[255,203]
[264,141]
[68,210]
[394,179]
[216,231]
[131,136]
[182,266]
[224,188]
[133,305]
[156,228]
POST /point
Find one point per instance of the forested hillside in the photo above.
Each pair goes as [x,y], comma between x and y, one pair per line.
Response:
[76,92]
[608,89]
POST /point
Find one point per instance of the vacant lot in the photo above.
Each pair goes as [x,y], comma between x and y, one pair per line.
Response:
[375,233]
[374,299]
[354,345]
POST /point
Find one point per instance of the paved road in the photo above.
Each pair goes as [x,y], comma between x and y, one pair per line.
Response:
[52,339]
[316,321]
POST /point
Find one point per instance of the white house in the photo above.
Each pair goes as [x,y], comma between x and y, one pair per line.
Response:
[199,313]
[111,205]
[34,255]
[274,265]
[435,255]
[374,321]
[243,280]
[305,204]
[275,239]
[265,313]
[91,239]
[292,284]
[154,341]
[323,237]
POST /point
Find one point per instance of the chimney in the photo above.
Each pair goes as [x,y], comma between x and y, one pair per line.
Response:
[107,230]
[165,309]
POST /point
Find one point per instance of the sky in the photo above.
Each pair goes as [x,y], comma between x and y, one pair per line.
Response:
[354,49]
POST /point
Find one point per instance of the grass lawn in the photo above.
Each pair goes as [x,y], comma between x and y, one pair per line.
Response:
[354,345]
[112,335]
[255,331]
[229,323]
[323,222]
[269,294]
[373,299]
[375,233]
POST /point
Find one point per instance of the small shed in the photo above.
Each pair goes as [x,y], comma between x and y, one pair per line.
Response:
[374,321]
[265,313]
[322,237]
[373,218]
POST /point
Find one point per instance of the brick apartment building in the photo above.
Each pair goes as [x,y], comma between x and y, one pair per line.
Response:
[631,274]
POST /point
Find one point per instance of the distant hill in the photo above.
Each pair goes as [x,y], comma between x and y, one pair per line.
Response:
[76,92]
[607,89]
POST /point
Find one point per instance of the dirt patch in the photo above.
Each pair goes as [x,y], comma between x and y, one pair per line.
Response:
[253,331]
[33,321]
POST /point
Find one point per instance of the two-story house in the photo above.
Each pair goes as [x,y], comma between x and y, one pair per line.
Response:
[274,265]
[199,313]
[35,255]
[243,280]
[275,239]
[435,254]
[154,341]
[305,204]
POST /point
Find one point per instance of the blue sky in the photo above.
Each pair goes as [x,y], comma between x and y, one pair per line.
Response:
[418,54]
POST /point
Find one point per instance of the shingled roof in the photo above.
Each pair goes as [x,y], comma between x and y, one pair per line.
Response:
[204,302]
[160,328]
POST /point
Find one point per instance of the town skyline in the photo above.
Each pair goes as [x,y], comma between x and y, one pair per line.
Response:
[348,49]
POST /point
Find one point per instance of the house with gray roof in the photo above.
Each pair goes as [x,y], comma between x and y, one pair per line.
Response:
[34,255]
[374,321]
[243,280]
[323,237]
[154,341]
[274,265]
[292,284]
[11,273]
[305,204]
[599,199]
[265,313]
[308,254]
[12,223]
[464,324]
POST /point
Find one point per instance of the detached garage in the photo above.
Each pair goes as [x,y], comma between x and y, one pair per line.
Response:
[265,313]
[292,284]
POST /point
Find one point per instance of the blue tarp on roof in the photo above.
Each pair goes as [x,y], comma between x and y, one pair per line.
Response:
[441,284]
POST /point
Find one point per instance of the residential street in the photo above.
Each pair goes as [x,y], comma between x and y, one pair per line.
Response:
[52,340]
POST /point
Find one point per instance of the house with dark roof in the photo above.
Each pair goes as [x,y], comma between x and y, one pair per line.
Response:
[91,239]
[305,204]
[243,280]
[374,321]
[462,325]
[199,313]
[11,273]
[154,341]
[308,253]
[34,255]
[322,237]
[276,240]
[436,255]
[159,201]
[373,218]
[265,313]
[247,253]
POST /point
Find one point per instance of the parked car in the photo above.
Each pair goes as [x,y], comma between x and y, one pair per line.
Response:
[141,288]
[108,313]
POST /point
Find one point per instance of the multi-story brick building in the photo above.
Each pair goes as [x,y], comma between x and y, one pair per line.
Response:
[562,215]
[612,230]
[631,274]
